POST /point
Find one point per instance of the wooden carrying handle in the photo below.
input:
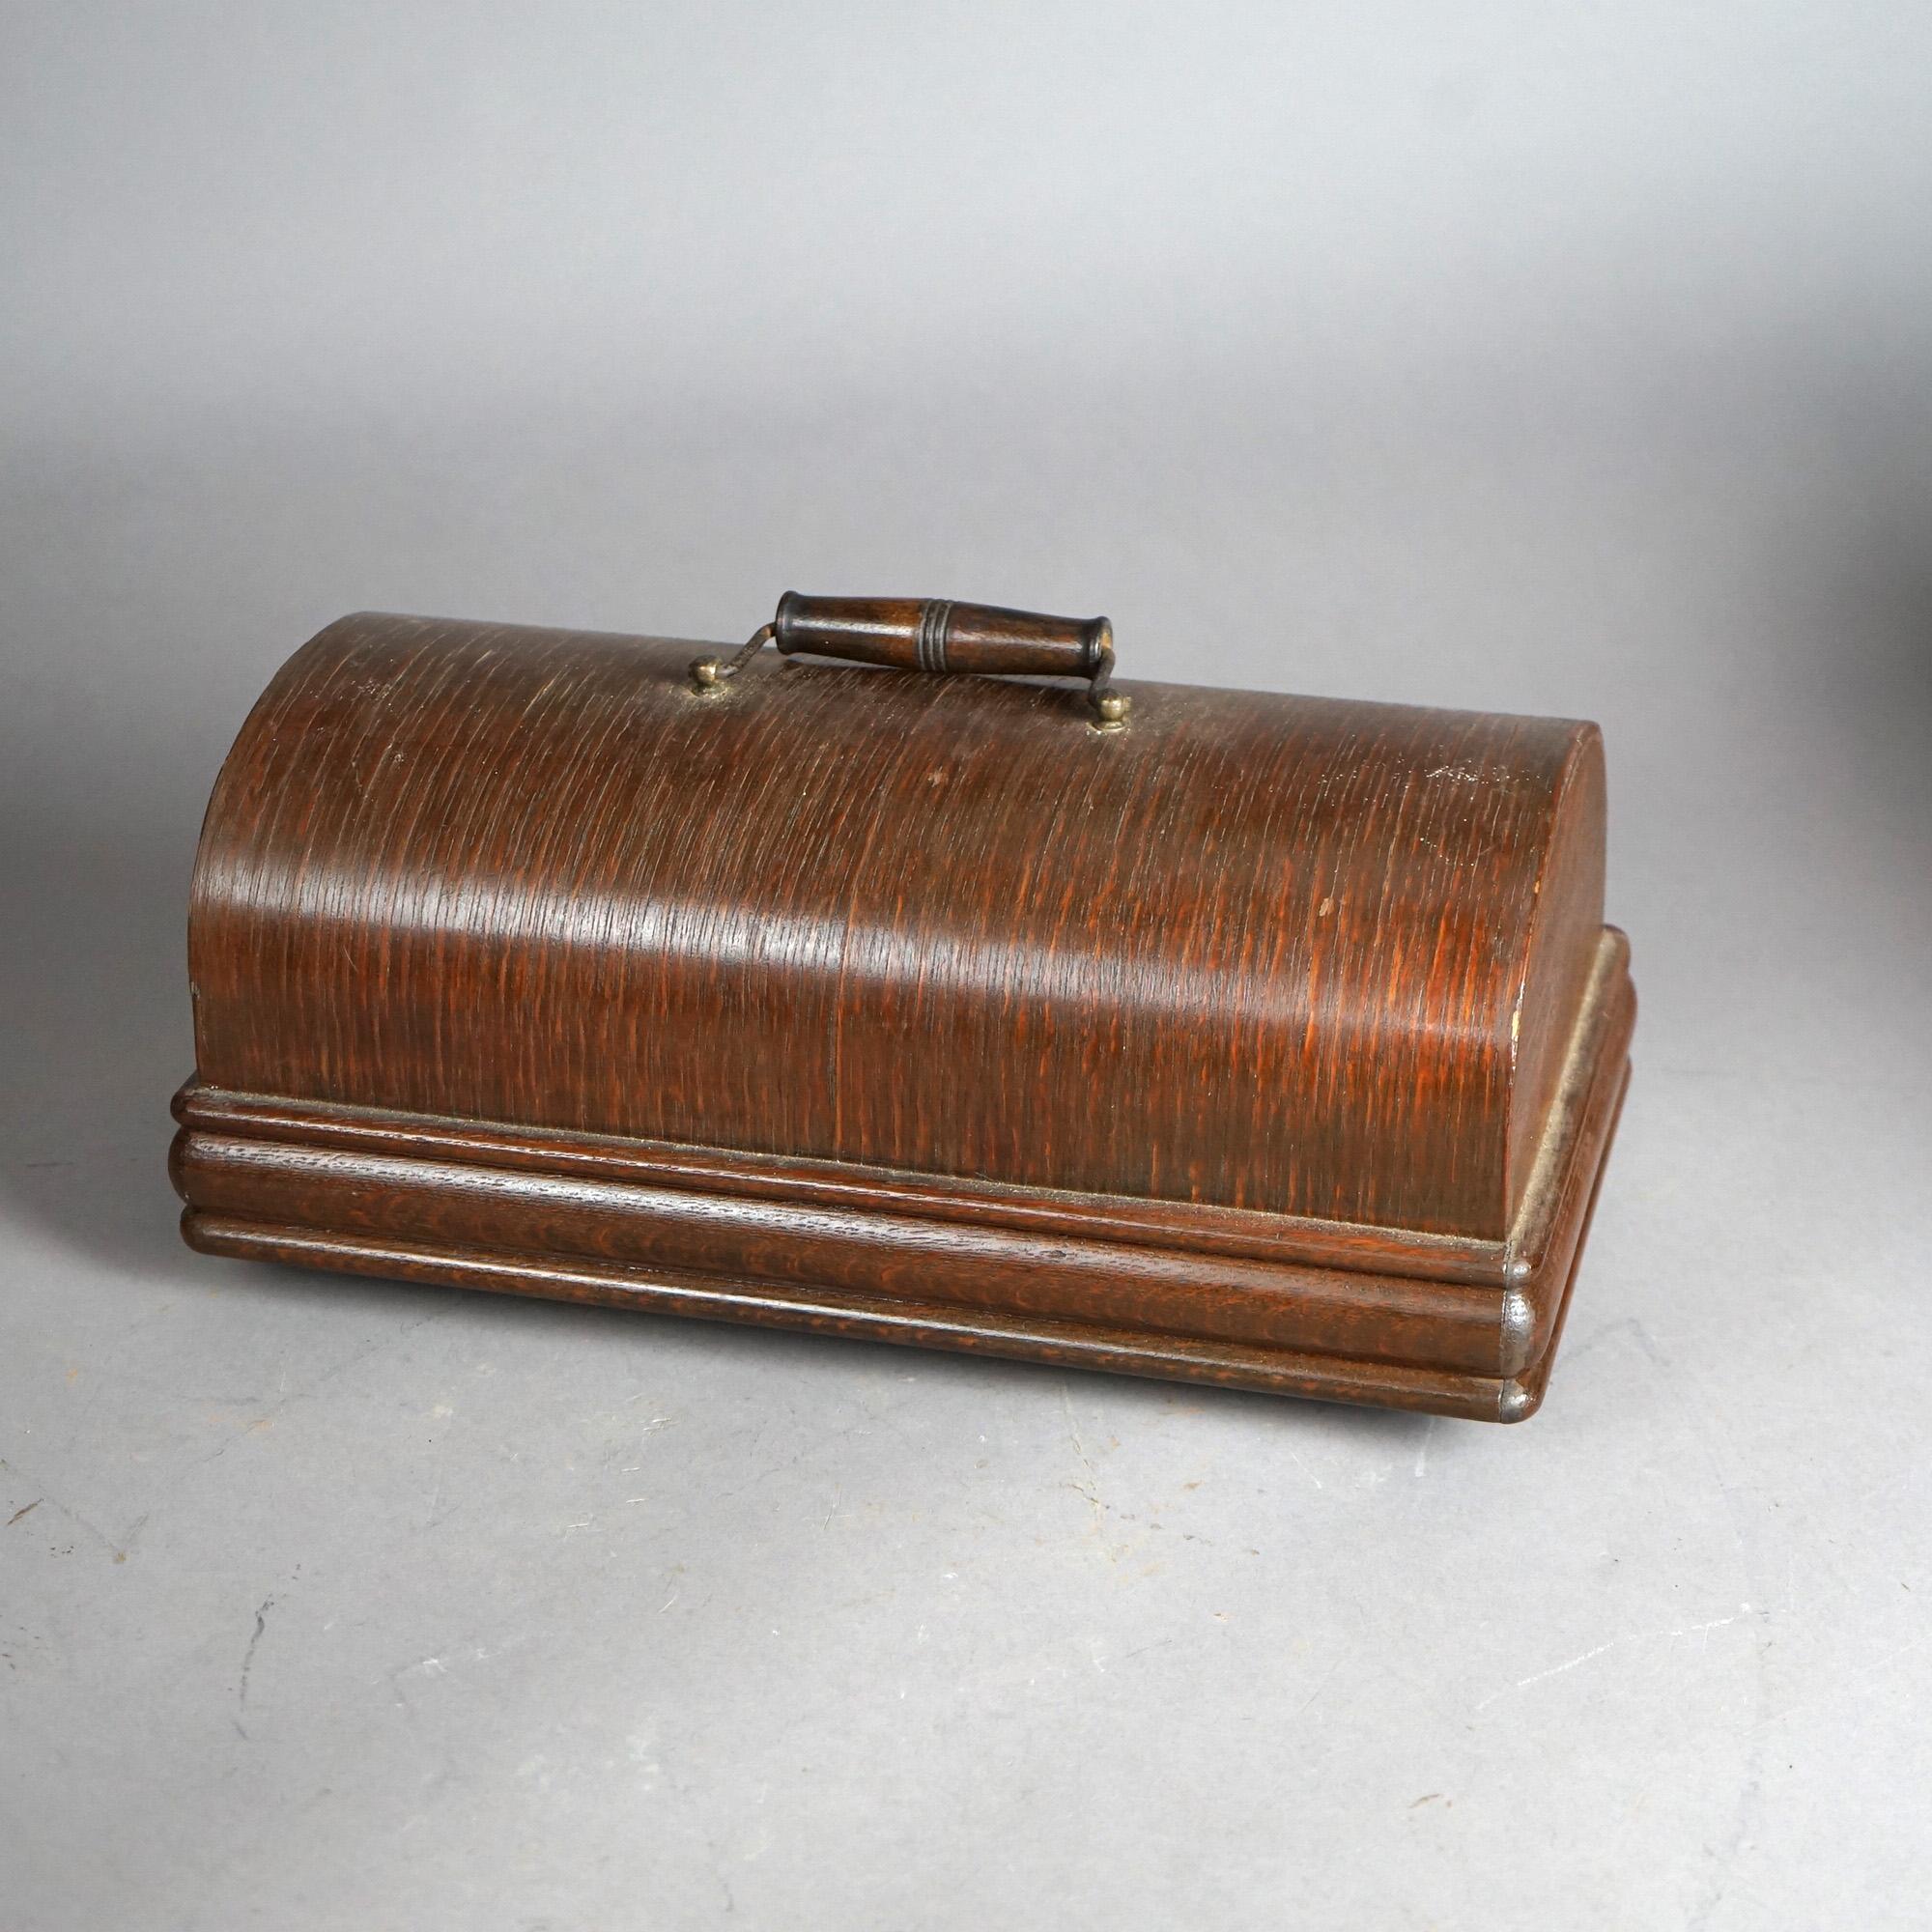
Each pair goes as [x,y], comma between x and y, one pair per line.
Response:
[934,635]
[938,635]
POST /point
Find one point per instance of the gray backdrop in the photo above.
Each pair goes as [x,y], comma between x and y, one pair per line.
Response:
[1498,355]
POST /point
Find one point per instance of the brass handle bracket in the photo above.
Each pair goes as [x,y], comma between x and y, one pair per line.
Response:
[708,674]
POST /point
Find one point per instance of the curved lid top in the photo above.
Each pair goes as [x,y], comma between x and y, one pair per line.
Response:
[1299,954]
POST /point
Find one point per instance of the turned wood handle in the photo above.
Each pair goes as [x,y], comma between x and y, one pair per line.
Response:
[936,636]
[932,634]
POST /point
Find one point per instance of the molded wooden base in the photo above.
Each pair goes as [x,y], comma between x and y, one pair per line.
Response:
[1164,1288]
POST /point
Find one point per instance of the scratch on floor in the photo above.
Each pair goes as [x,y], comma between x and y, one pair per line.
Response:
[248,1660]
[1893,1656]
[1090,1487]
[267,1420]
[1629,1636]
[118,1551]
[1328,1677]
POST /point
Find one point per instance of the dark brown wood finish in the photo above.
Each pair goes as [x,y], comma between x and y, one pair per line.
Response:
[1271,1042]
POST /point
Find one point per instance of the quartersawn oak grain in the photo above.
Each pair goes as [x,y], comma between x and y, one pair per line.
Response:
[1267,1031]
